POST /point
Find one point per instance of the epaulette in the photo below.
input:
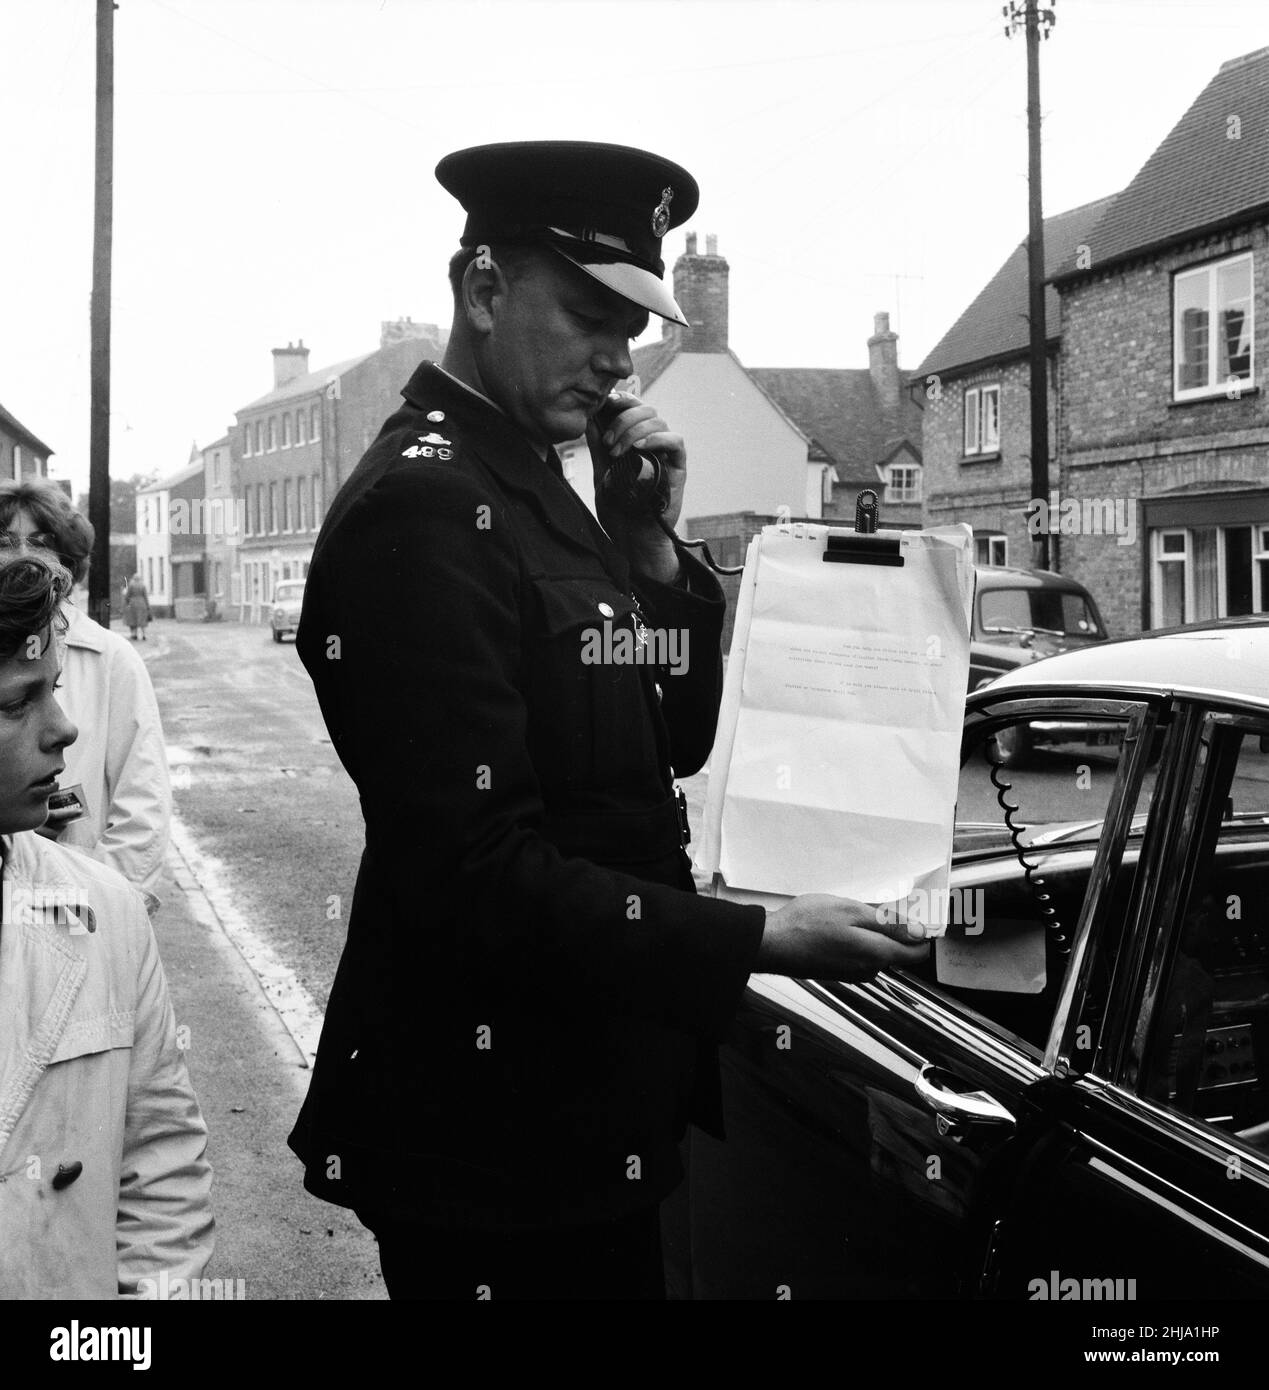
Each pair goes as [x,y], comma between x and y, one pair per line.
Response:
[434,444]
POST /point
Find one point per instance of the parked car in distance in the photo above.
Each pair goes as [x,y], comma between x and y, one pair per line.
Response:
[288,599]
[1021,616]
[1070,1098]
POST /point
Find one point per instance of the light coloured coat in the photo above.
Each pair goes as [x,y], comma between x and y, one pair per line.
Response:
[120,756]
[103,1177]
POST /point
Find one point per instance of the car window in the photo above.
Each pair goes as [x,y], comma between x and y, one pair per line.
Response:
[1208,1054]
[292,590]
[1035,609]
[1020,876]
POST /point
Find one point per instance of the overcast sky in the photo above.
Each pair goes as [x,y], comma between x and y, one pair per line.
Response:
[273,168]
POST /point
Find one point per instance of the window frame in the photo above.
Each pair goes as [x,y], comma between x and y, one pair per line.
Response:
[974,409]
[899,493]
[1214,386]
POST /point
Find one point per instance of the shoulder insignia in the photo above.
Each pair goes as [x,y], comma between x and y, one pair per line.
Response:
[431,445]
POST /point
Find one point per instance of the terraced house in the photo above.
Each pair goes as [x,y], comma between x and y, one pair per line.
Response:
[975,385]
[22,454]
[1156,309]
[293,447]
[1165,309]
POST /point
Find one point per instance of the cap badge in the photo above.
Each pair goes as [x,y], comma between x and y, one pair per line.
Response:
[661,217]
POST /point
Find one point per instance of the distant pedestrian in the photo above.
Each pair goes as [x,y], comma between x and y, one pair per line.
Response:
[136,609]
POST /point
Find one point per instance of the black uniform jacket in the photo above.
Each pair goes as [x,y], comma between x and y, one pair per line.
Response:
[525,1013]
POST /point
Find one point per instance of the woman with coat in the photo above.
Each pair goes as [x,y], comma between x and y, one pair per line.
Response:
[136,611]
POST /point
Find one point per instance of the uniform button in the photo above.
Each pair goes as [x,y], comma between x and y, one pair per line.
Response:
[436,416]
[66,1174]
[606,609]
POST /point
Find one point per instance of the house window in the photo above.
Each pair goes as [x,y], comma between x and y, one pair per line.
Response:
[1171,574]
[288,514]
[216,469]
[301,504]
[273,434]
[991,548]
[246,442]
[286,430]
[1212,328]
[273,509]
[982,420]
[17,462]
[259,450]
[1205,572]
[314,421]
[317,501]
[903,482]
[299,425]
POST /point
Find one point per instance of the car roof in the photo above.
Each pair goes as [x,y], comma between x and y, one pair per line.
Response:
[1225,658]
[1006,577]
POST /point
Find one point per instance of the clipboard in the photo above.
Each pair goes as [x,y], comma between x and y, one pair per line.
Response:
[837,758]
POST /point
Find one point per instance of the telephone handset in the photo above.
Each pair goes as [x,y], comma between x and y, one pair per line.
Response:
[637,483]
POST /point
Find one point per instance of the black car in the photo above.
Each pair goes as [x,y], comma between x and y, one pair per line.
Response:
[1071,1098]
[1021,616]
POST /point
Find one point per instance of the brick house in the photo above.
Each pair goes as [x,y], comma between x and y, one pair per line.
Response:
[168,554]
[975,385]
[22,454]
[1164,312]
[293,447]
[223,523]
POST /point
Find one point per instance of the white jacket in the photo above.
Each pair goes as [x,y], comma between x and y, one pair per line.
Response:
[120,756]
[103,1179]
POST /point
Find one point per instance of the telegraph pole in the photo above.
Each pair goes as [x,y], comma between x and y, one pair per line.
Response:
[1037,22]
[99,370]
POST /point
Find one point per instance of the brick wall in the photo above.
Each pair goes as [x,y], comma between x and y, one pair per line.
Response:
[1117,352]
[986,493]
[700,287]
[1123,437]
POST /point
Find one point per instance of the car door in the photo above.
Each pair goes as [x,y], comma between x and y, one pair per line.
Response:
[1151,1175]
[877,1132]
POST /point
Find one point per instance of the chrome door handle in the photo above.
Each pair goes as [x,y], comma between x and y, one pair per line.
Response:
[956,1112]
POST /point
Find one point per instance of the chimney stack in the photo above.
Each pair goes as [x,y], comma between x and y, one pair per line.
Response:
[289,362]
[700,286]
[399,330]
[883,365]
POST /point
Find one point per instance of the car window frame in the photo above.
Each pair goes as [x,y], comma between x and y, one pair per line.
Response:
[1145,712]
[1154,968]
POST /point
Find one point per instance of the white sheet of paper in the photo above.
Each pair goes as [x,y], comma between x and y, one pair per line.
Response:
[836,765]
[1008,958]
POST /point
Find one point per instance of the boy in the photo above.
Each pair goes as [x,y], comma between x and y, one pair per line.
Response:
[103,1179]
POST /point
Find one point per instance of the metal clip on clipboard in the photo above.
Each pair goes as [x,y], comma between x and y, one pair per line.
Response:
[863,547]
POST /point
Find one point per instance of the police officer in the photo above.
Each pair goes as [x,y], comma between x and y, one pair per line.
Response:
[526,1012]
